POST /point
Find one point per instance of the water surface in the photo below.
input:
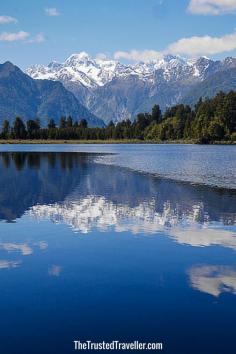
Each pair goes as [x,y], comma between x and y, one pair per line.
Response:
[95,251]
[213,165]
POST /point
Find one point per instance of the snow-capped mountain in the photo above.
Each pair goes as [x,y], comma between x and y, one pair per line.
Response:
[112,90]
[80,68]
[98,72]
[28,98]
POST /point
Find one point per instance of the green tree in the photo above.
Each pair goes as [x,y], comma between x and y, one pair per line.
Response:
[62,123]
[51,124]
[156,113]
[216,129]
[69,122]
[83,124]
[32,126]
[6,129]
[19,131]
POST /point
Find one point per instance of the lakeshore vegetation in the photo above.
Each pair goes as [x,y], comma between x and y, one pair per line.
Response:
[211,120]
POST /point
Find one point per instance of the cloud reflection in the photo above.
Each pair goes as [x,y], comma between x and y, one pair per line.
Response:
[199,236]
[24,248]
[43,245]
[55,270]
[6,264]
[213,280]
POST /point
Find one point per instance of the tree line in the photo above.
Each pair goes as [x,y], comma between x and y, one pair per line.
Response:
[210,120]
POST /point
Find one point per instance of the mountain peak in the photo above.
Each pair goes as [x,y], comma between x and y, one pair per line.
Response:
[230,62]
[28,98]
[169,57]
[76,58]
[54,64]
[7,68]
[92,73]
[115,90]
[8,65]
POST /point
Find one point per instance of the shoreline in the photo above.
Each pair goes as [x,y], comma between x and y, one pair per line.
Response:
[107,142]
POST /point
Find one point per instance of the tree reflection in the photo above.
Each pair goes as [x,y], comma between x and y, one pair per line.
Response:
[31,179]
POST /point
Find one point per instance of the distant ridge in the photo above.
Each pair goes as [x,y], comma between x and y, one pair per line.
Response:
[112,90]
[20,95]
[222,81]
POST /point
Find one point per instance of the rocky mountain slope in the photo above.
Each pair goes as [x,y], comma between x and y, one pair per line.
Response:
[112,90]
[20,95]
[221,81]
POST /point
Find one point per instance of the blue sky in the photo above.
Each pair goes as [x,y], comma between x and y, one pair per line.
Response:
[44,30]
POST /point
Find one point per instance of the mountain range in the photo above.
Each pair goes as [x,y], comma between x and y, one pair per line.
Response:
[115,91]
[20,95]
[101,90]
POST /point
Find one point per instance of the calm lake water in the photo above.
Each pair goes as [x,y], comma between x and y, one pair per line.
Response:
[93,247]
[212,165]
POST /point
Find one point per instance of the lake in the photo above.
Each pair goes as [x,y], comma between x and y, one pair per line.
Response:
[117,242]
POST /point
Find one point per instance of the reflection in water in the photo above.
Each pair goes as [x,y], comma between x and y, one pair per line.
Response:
[96,212]
[106,284]
[42,245]
[55,270]
[69,188]
[12,247]
[25,249]
[213,280]
[6,264]
[30,178]
[205,235]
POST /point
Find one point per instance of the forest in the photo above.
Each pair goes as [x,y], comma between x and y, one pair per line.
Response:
[211,120]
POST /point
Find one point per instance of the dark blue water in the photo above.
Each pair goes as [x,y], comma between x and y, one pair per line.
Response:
[213,165]
[94,251]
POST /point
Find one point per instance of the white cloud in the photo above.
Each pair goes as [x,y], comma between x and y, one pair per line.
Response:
[21,36]
[205,45]
[7,19]
[101,56]
[12,37]
[52,11]
[212,7]
[136,55]
[190,47]
[39,38]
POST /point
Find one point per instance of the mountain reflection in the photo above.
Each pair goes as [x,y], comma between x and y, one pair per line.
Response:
[71,188]
[213,280]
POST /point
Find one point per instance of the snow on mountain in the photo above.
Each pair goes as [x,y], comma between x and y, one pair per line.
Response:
[78,67]
[98,72]
[116,91]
